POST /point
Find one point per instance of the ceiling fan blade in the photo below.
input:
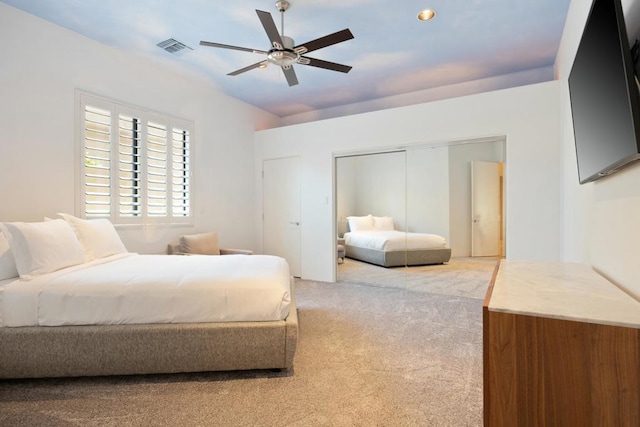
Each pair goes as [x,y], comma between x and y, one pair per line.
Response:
[250,67]
[226,46]
[325,41]
[326,64]
[292,79]
[270,28]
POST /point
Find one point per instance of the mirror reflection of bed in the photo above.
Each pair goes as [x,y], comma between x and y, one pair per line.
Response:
[375,240]
[445,225]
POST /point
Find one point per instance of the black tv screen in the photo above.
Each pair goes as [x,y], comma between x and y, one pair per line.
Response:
[604,95]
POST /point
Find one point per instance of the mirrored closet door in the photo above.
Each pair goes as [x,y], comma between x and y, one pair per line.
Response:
[419,190]
[371,218]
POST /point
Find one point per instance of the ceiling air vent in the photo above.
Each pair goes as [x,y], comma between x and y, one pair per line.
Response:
[173,46]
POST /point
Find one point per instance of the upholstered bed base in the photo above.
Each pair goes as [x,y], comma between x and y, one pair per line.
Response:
[68,351]
[399,258]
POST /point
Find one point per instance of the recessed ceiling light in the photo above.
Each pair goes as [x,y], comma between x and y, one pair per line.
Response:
[426,14]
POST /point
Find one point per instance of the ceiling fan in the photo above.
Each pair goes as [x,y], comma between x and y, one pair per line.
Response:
[283,51]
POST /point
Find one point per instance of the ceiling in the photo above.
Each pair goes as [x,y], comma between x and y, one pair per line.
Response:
[395,57]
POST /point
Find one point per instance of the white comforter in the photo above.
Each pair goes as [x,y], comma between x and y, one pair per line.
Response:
[394,240]
[136,289]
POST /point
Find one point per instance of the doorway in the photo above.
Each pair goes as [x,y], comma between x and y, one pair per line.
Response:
[486,209]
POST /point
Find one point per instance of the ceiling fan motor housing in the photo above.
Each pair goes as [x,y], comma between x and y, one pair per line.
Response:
[283,56]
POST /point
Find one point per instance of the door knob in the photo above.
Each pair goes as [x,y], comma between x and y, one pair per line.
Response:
[294,223]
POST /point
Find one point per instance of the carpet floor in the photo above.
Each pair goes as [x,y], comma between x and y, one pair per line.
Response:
[367,356]
[461,276]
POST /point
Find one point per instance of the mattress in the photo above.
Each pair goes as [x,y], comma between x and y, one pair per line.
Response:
[144,289]
[394,240]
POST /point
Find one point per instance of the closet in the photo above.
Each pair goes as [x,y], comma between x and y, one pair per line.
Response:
[424,188]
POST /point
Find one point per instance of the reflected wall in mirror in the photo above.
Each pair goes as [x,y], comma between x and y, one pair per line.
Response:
[425,189]
[371,184]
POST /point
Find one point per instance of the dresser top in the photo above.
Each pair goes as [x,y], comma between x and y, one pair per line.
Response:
[558,290]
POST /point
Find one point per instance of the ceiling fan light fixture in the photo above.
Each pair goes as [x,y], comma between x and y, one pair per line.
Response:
[426,14]
[282,57]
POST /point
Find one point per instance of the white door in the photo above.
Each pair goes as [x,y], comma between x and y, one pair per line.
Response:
[486,209]
[281,204]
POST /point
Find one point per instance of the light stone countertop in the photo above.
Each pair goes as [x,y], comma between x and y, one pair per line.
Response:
[558,290]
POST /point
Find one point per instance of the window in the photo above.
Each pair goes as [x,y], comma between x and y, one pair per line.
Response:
[135,164]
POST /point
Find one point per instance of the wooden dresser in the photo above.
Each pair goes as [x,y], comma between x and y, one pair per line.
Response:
[561,348]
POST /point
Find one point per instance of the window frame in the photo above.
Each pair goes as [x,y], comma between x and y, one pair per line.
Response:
[171,124]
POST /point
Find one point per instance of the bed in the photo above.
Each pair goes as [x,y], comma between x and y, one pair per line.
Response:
[374,240]
[124,313]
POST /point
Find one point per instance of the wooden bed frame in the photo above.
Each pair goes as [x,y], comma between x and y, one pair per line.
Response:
[400,257]
[70,351]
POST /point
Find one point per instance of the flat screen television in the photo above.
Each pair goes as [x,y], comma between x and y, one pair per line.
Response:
[605,100]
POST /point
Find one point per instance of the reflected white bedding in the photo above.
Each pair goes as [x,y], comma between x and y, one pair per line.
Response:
[138,289]
[394,240]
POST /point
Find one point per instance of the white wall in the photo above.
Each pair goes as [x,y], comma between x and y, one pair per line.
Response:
[529,116]
[380,186]
[601,220]
[428,191]
[41,69]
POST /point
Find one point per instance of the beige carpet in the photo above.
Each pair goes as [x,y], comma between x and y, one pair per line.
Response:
[367,356]
[461,276]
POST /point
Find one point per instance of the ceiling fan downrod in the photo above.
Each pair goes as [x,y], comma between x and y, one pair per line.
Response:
[282,6]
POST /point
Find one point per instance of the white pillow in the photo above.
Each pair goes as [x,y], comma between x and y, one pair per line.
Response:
[97,237]
[383,223]
[360,223]
[8,269]
[42,247]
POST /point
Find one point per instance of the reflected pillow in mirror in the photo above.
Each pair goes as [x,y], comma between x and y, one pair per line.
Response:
[383,223]
[360,223]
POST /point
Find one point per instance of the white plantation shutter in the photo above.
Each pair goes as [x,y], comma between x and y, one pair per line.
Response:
[157,169]
[135,164]
[180,182]
[129,166]
[96,147]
